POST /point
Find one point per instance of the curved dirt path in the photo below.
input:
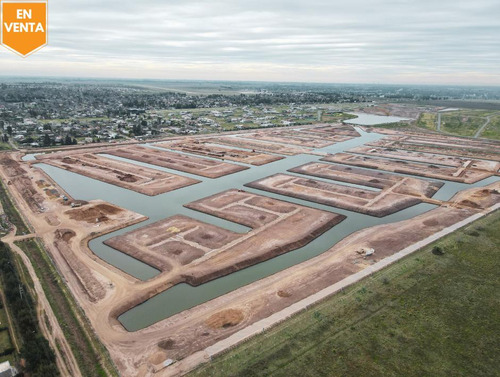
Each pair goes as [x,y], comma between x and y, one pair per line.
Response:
[66,361]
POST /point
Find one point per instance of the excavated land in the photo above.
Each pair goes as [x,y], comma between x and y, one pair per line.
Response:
[95,218]
[20,178]
[257,145]
[313,137]
[328,130]
[196,329]
[133,177]
[177,161]
[428,158]
[462,174]
[403,194]
[471,148]
[196,252]
[204,148]
[370,178]
[311,140]
[104,292]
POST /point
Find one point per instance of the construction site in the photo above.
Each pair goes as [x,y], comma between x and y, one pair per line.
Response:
[296,211]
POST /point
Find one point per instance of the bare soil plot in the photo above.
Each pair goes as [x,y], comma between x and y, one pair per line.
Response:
[461,174]
[196,252]
[429,158]
[370,178]
[257,145]
[20,178]
[177,161]
[471,148]
[333,130]
[403,193]
[137,178]
[278,291]
[218,151]
[295,138]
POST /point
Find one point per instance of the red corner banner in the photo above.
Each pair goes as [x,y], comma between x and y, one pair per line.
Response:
[24,25]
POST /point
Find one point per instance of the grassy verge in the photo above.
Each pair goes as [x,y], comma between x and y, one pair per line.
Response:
[39,358]
[427,120]
[461,123]
[6,346]
[92,357]
[492,131]
[426,315]
[11,211]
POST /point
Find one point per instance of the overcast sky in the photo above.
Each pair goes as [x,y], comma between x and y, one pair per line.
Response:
[359,41]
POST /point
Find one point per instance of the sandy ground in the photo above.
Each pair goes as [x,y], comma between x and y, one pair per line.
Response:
[402,193]
[144,180]
[204,148]
[464,174]
[181,162]
[479,149]
[258,145]
[104,291]
[428,158]
[305,139]
[188,250]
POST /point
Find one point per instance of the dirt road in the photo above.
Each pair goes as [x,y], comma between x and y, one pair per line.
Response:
[66,361]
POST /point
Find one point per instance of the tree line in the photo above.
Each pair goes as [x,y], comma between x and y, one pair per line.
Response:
[40,358]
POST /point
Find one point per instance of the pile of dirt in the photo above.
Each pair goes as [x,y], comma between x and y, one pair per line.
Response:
[284,294]
[87,282]
[64,234]
[98,213]
[127,178]
[166,344]
[224,319]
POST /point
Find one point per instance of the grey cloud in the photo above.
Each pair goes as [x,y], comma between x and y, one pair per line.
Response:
[397,35]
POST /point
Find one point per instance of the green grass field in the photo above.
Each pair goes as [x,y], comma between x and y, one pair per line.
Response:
[462,123]
[492,131]
[426,315]
[465,122]
[5,342]
[427,120]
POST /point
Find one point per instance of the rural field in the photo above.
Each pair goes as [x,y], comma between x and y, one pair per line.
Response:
[436,312]
[464,122]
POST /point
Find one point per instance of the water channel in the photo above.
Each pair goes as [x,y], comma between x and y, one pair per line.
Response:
[184,296]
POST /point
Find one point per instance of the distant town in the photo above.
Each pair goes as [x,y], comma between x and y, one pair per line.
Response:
[45,114]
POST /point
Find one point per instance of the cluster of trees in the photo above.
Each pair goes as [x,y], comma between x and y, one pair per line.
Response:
[47,141]
[40,359]
[137,129]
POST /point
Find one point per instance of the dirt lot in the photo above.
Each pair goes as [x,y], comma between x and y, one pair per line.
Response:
[196,328]
[198,252]
[311,140]
[462,174]
[343,173]
[204,148]
[404,193]
[181,162]
[257,145]
[195,252]
[479,149]
[428,158]
[328,130]
[21,179]
[133,177]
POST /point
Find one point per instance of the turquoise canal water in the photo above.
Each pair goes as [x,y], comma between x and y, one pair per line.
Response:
[184,296]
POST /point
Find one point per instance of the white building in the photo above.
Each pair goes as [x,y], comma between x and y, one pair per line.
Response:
[6,370]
